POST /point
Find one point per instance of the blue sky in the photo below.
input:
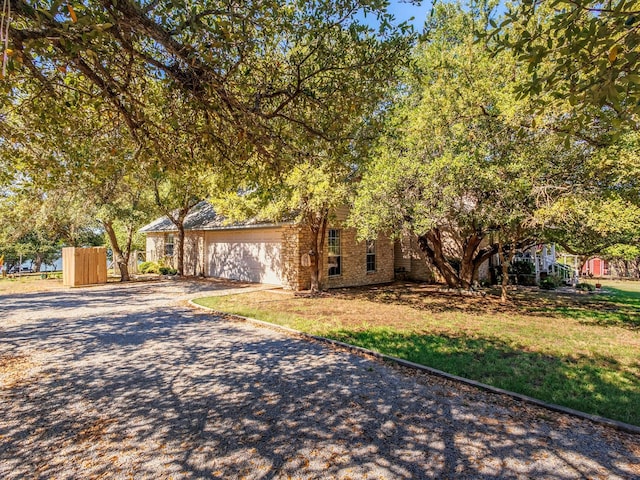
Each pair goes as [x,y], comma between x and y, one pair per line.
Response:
[404,10]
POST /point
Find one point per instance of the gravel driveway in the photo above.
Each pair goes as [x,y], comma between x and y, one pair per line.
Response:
[127,381]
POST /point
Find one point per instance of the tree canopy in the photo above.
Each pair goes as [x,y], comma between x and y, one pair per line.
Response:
[585,51]
[247,71]
[461,161]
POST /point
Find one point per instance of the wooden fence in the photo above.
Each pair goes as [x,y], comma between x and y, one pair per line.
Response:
[84,266]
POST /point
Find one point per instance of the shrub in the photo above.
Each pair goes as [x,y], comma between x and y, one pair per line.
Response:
[168,271]
[149,267]
[522,267]
[587,287]
[550,283]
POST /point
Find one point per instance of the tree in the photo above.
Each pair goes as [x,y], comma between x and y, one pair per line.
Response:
[599,205]
[308,195]
[625,259]
[250,70]
[460,161]
[181,165]
[85,164]
[318,165]
[583,50]
[36,224]
[248,80]
[586,224]
[176,193]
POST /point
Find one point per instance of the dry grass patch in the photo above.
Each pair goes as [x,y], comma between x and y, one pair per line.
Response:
[28,284]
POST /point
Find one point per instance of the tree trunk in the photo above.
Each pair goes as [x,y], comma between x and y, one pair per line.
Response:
[636,268]
[316,263]
[180,261]
[582,260]
[37,263]
[431,245]
[506,258]
[468,266]
[119,257]
[318,228]
[504,264]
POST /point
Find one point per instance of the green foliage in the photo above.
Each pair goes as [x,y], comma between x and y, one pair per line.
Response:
[156,267]
[550,283]
[623,252]
[587,287]
[522,267]
[149,267]
[460,157]
[167,271]
[521,272]
[625,259]
[249,78]
[587,225]
[581,50]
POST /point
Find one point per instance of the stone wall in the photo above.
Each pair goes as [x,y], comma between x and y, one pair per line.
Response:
[295,243]
[354,262]
[411,263]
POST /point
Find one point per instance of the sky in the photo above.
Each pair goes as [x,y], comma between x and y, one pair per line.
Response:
[404,10]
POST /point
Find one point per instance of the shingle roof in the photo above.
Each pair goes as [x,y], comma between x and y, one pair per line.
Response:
[204,217]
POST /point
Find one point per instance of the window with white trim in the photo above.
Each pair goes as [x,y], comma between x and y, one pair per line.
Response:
[371,256]
[168,244]
[335,252]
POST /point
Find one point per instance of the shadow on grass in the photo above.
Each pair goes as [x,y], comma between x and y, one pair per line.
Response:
[598,386]
[616,307]
[426,297]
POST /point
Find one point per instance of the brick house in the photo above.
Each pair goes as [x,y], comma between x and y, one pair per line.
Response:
[273,253]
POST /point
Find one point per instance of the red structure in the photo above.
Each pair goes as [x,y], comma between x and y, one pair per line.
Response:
[595,267]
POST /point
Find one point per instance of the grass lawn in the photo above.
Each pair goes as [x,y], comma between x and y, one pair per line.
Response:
[577,350]
[29,283]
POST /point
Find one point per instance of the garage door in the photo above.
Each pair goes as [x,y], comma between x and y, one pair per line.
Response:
[248,255]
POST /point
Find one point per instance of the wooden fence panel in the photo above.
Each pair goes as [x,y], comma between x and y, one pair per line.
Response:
[84,266]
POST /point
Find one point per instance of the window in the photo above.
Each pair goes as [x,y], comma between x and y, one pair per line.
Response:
[335,253]
[168,245]
[371,256]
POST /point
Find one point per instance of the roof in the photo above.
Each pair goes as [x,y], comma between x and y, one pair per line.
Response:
[204,217]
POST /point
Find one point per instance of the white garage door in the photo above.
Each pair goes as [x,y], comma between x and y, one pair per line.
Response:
[248,255]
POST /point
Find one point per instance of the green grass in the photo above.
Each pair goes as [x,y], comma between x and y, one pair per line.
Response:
[618,305]
[595,387]
[579,351]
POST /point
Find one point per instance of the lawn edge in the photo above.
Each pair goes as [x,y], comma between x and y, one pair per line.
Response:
[616,424]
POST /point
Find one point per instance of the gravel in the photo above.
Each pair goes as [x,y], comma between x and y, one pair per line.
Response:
[128,381]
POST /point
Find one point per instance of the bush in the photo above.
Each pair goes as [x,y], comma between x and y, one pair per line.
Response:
[522,267]
[168,271]
[521,272]
[587,287]
[550,283]
[149,267]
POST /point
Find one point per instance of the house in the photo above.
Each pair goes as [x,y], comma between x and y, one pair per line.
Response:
[544,262]
[595,267]
[271,252]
